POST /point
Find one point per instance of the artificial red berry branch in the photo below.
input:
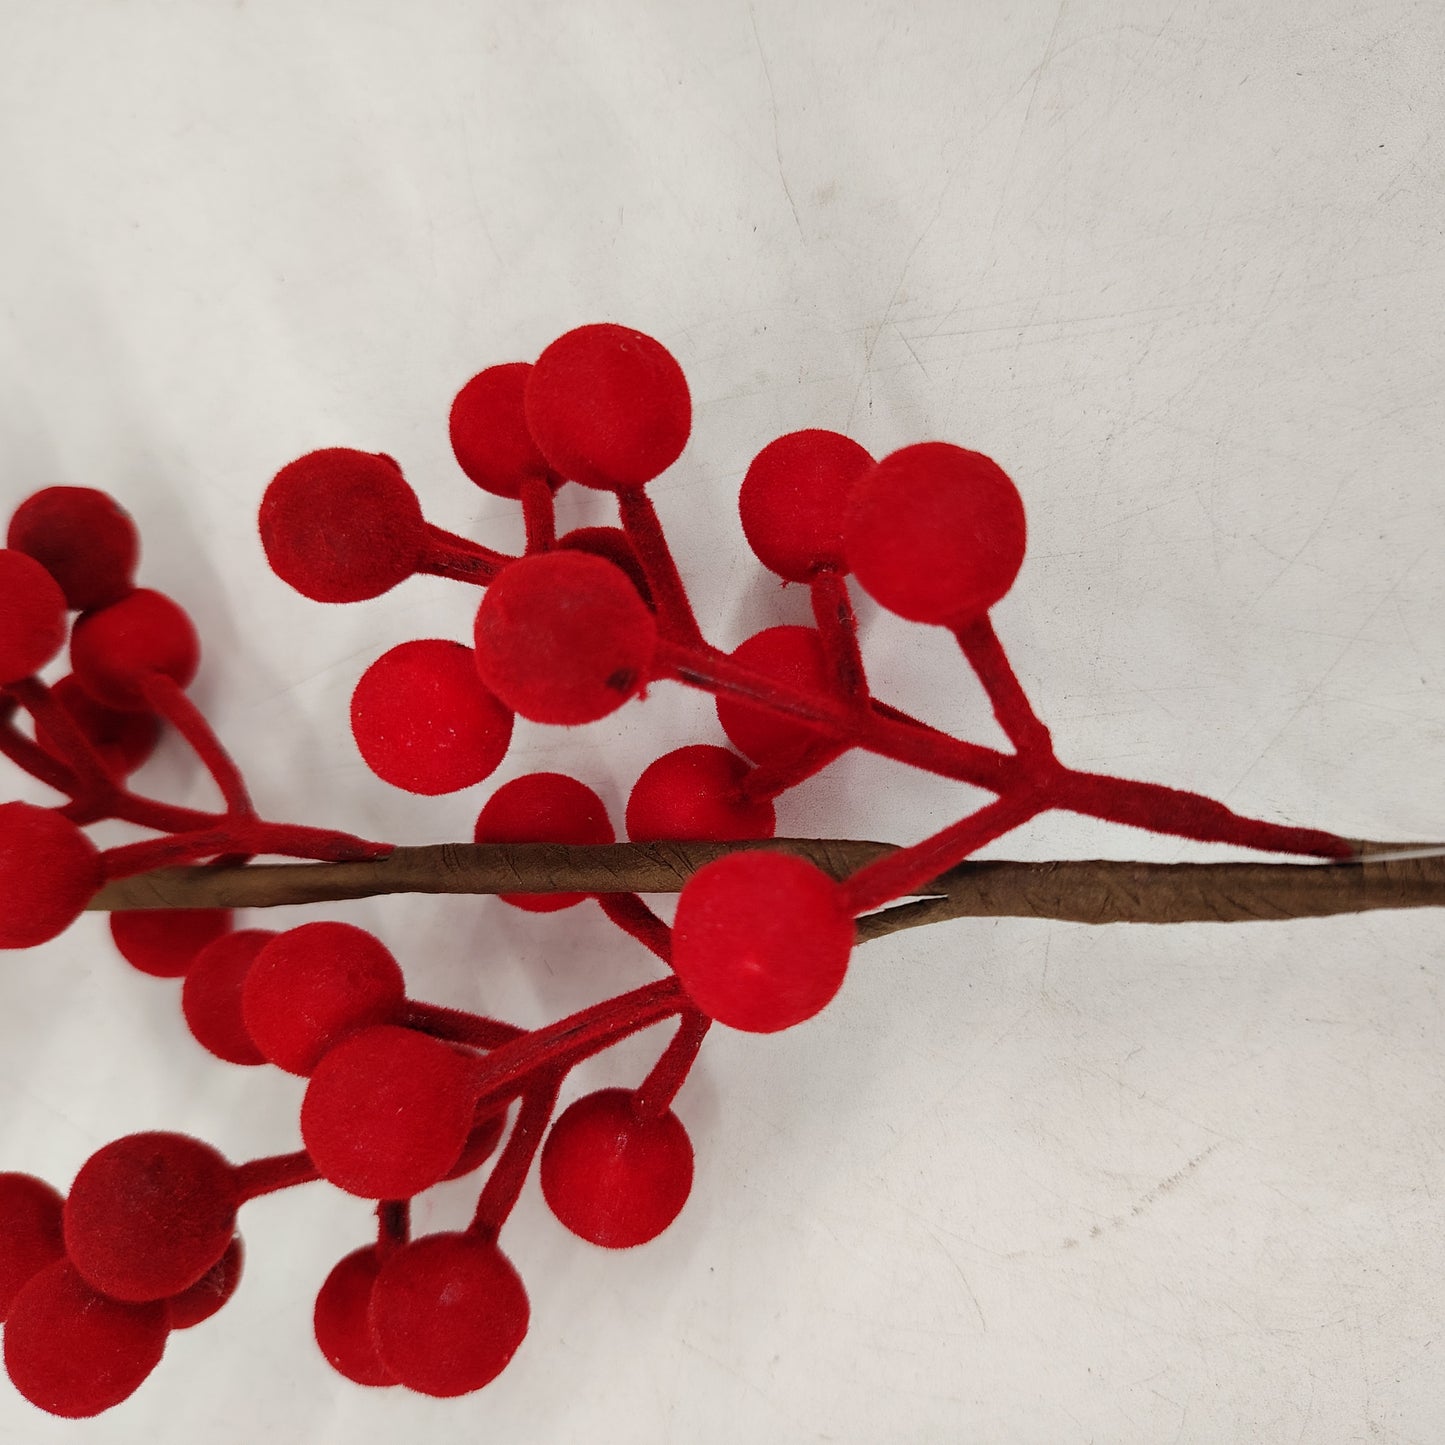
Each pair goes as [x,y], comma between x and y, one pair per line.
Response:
[402,1094]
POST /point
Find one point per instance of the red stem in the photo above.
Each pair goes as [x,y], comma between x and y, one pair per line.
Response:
[1011,706]
[266,1176]
[31,758]
[455,1027]
[635,918]
[772,780]
[504,1184]
[838,629]
[447,555]
[654,1095]
[644,531]
[540,513]
[393,1226]
[93,781]
[168,698]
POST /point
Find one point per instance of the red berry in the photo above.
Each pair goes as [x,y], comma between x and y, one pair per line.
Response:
[75,1352]
[936,533]
[447,1313]
[608,407]
[83,538]
[387,1112]
[30,1237]
[115,651]
[341,526]
[342,1320]
[489,432]
[694,793]
[794,657]
[32,616]
[481,1146]
[562,637]
[543,808]
[611,1177]
[49,871]
[312,986]
[794,498]
[761,940]
[124,740]
[211,997]
[149,1214]
[612,545]
[211,1291]
[164,942]
[424,722]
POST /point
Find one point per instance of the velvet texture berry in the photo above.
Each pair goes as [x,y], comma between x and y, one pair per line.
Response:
[564,638]
[612,1176]
[387,1112]
[312,986]
[73,1350]
[115,651]
[543,808]
[211,996]
[32,616]
[936,533]
[124,740]
[149,1214]
[447,1313]
[695,793]
[164,942]
[488,427]
[197,1304]
[341,525]
[794,498]
[423,721]
[49,871]
[792,656]
[611,544]
[342,1319]
[30,1237]
[83,538]
[761,940]
[608,407]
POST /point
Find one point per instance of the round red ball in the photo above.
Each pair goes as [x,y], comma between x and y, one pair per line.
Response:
[211,996]
[164,942]
[488,427]
[447,1314]
[794,657]
[936,533]
[761,940]
[543,808]
[794,497]
[608,407]
[562,637]
[423,721]
[116,651]
[611,1177]
[149,1214]
[32,616]
[612,545]
[695,793]
[198,1303]
[312,986]
[341,526]
[30,1237]
[124,740]
[342,1321]
[387,1112]
[49,871]
[84,538]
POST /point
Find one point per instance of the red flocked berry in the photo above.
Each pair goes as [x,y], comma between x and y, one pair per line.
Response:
[608,407]
[794,498]
[761,940]
[424,722]
[562,637]
[387,1112]
[116,651]
[49,871]
[614,1178]
[447,1313]
[83,538]
[936,533]
[164,942]
[32,616]
[794,657]
[124,740]
[312,986]
[341,526]
[694,793]
[211,997]
[489,432]
[30,1237]
[149,1214]
[74,1351]
[342,1319]
[481,1146]
[193,1306]
[543,808]
[612,545]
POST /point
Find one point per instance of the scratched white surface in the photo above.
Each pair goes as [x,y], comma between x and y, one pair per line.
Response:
[1176,265]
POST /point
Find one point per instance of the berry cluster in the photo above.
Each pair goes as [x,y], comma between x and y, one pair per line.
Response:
[400,1094]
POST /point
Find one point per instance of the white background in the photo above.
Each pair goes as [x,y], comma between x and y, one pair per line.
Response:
[1174,263]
